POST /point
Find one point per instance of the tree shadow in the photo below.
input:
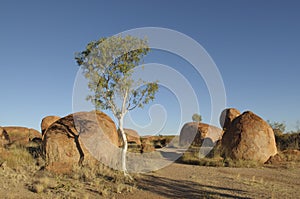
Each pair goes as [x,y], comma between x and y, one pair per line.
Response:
[185,189]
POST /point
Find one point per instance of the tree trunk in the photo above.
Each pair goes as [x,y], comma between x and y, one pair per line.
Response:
[125,145]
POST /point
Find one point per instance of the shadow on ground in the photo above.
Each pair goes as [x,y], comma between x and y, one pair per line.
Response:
[171,156]
[185,189]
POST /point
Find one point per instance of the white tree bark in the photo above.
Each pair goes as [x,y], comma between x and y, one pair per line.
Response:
[125,144]
[124,138]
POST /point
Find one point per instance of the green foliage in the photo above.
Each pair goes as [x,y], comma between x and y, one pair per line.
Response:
[288,141]
[285,141]
[108,65]
[278,127]
[197,118]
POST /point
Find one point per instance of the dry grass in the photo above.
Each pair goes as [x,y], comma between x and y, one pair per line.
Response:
[83,182]
[19,172]
[17,158]
[193,157]
[21,177]
[38,188]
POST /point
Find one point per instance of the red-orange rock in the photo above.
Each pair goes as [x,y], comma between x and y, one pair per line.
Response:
[21,135]
[147,146]
[249,138]
[80,138]
[132,136]
[194,133]
[275,160]
[47,121]
[227,116]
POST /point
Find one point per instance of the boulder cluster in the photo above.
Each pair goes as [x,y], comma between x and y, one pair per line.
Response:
[244,136]
[85,138]
[19,136]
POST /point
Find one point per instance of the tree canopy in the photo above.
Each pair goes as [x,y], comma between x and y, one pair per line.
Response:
[196,117]
[108,65]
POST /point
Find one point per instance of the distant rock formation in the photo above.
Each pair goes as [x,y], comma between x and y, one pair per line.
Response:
[147,146]
[21,135]
[194,133]
[132,136]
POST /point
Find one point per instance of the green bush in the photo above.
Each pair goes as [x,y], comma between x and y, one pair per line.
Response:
[288,141]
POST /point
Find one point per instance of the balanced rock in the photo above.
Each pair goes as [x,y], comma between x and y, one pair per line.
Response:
[82,138]
[227,116]
[47,121]
[21,135]
[194,133]
[249,138]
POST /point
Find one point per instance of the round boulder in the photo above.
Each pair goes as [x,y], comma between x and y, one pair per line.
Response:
[82,138]
[194,133]
[249,138]
[47,121]
[227,116]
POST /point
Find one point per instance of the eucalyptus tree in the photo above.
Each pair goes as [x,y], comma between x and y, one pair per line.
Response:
[196,117]
[108,64]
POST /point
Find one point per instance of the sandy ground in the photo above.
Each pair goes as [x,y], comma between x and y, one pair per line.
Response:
[188,181]
[174,181]
[180,181]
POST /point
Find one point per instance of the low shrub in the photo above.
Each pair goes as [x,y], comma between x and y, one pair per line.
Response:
[288,141]
[194,158]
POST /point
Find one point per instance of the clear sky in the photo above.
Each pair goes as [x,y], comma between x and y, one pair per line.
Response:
[255,45]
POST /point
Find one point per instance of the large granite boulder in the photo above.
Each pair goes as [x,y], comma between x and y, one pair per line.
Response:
[83,138]
[194,133]
[47,121]
[227,116]
[249,137]
[21,135]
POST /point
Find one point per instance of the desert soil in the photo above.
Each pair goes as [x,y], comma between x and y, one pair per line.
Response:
[189,181]
[176,181]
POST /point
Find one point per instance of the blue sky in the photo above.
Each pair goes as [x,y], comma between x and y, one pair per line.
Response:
[255,45]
